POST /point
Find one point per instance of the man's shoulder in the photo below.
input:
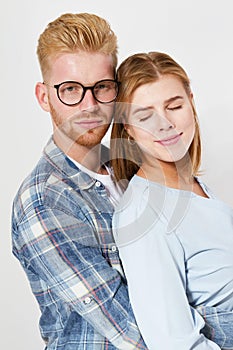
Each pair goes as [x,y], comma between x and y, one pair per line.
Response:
[31,191]
[47,172]
[55,183]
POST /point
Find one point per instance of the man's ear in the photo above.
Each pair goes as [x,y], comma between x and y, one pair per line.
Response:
[41,93]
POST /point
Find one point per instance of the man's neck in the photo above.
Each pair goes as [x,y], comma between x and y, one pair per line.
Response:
[89,157]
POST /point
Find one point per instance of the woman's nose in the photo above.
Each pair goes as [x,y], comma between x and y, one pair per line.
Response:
[164,124]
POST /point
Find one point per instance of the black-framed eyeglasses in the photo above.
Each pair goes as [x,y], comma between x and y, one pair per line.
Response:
[71,93]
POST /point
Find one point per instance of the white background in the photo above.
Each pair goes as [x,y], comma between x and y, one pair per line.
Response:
[197,33]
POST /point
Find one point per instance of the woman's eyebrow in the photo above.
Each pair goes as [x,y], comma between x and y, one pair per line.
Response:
[141,109]
[172,99]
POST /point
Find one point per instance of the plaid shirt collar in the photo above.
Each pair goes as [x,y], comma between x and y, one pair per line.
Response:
[58,159]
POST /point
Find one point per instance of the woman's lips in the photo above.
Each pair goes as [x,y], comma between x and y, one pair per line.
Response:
[172,140]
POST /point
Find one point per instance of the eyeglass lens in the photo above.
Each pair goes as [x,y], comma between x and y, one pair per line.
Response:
[72,93]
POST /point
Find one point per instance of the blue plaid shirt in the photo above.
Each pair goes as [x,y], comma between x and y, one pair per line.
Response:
[61,234]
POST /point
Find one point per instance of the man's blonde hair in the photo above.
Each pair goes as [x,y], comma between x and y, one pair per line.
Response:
[73,32]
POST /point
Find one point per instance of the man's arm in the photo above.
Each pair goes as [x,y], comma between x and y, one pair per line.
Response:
[56,246]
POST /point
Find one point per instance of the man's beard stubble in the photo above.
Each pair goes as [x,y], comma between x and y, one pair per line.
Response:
[88,138]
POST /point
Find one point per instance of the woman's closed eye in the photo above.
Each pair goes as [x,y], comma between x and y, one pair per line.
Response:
[173,108]
[145,117]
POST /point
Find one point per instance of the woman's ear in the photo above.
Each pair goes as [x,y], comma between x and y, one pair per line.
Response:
[191,96]
[41,93]
[126,127]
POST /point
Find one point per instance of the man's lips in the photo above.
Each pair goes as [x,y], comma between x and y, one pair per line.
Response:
[89,123]
[172,140]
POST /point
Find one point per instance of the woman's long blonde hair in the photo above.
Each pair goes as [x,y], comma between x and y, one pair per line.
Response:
[137,70]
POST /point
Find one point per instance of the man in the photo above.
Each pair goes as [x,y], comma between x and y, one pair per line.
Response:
[61,222]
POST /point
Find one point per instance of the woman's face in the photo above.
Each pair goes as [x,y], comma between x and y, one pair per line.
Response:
[161,119]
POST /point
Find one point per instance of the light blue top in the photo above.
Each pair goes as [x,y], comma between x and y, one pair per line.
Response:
[177,250]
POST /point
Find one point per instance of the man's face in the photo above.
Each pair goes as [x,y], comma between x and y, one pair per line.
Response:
[87,122]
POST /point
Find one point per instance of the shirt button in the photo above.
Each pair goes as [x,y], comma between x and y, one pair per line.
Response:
[98,184]
[87,300]
[114,248]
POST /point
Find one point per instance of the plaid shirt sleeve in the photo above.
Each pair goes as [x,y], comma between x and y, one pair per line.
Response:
[55,245]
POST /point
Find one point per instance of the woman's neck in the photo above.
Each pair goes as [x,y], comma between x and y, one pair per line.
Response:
[176,175]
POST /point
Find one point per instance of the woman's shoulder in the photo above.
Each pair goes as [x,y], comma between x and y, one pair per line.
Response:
[133,196]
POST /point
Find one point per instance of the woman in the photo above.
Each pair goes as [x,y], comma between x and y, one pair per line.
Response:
[174,236]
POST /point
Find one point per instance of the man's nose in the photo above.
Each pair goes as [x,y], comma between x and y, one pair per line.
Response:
[88,101]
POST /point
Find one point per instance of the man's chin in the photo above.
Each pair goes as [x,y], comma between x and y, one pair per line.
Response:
[92,137]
